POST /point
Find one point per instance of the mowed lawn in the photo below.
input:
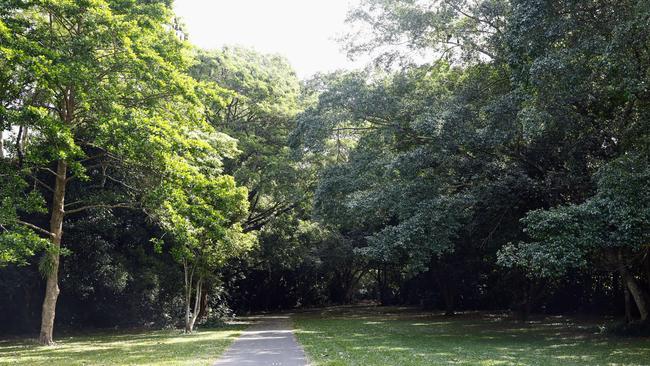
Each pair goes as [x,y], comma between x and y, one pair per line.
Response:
[169,348]
[403,336]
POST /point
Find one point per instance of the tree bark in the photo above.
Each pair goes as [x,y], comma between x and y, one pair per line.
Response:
[203,312]
[632,285]
[19,146]
[189,327]
[382,282]
[628,304]
[188,293]
[647,269]
[635,291]
[52,283]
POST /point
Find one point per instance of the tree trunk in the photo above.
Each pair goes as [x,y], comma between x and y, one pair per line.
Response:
[354,282]
[52,285]
[447,296]
[647,270]
[635,291]
[628,305]
[188,293]
[19,146]
[382,278]
[632,285]
[203,312]
[528,300]
[189,327]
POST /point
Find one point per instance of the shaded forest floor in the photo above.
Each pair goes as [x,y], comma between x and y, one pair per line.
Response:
[405,336]
[168,348]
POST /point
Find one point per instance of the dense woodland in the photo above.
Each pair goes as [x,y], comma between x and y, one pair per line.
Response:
[494,156]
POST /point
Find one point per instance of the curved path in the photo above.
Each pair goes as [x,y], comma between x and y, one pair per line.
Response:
[269,342]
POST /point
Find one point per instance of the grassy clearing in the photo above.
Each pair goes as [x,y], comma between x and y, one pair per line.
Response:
[169,348]
[405,337]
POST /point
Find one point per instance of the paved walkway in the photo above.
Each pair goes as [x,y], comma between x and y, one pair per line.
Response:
[270,342]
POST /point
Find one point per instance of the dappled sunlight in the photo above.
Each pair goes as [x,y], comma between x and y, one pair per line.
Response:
[305,331]
[336,336]
[154,348]
[575,357]
[430,324]
[494,362]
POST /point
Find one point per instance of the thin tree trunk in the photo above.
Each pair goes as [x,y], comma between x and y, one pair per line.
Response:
[188,294]
[647,269]
[23,143]
[628,305]
[197,303]
[204,304]
[383,286]
[56,228]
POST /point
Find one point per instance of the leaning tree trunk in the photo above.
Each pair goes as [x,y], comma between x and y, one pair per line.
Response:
[53,256]
[633,286]
[635,291]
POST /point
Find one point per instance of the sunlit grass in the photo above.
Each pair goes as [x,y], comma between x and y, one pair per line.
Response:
[169,348]
[406,337]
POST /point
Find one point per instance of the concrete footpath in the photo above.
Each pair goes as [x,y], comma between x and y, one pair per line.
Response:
[269,342]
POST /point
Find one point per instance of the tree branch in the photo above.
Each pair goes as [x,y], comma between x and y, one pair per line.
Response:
[34,227]
[121,183]
[90,207]
[42,184]
[51,171]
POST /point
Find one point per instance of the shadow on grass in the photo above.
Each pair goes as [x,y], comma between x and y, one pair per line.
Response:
[398,336]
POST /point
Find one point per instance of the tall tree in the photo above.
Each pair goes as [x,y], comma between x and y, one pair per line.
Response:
[94,85]
[259,112]
[202,211]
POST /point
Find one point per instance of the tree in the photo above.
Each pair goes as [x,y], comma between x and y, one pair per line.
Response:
[94,85]
[259,112]
[460,31]
[408,181]
[202,209]
[609,230]
[203,216]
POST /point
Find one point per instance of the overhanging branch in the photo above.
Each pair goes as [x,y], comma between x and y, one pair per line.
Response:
[36,228]
[90,207]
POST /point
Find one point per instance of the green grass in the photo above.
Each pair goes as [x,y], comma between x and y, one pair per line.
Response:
[168,348]
[405,337]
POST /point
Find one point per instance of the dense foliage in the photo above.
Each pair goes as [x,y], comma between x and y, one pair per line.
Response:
[495,156]
[513,167]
